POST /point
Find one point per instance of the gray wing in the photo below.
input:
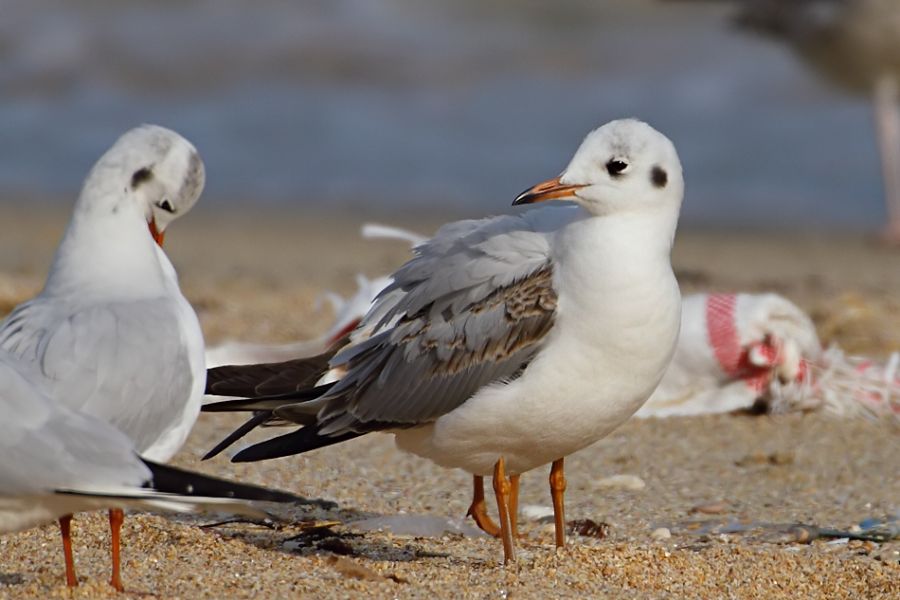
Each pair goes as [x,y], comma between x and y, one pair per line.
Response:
[124,363]
[472,308]
[46,446]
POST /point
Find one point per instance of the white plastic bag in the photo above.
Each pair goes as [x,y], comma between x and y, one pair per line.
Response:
[731,349]
[742,351]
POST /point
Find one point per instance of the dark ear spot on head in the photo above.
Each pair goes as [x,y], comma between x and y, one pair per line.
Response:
[140,176]
[659,177]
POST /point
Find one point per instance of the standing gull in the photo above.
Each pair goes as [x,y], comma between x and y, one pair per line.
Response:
[110,335]
[505,343]
[57,461]
[854,44]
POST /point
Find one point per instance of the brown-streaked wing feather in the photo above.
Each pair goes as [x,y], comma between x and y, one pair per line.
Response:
[444,359]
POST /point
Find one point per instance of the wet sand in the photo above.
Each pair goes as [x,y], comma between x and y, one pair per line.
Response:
[725,487]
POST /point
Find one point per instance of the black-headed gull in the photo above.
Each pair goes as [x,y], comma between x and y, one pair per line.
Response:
[505,343]
[111,335]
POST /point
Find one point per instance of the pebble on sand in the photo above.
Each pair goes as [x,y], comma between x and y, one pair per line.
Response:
[622,482]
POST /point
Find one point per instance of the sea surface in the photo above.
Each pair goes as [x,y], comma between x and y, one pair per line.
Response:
[414,106]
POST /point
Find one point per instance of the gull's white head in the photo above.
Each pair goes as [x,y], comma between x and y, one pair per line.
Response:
[151,170]
[622,166]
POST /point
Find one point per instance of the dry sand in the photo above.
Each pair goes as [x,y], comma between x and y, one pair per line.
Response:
[259,278]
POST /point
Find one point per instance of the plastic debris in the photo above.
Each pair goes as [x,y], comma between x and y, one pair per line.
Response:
[536,512]
[761,352]
[417,526]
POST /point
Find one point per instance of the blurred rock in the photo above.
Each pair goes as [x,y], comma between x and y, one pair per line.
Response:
[622,482]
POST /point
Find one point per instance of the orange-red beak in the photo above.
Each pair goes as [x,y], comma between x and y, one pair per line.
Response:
[551,189]
[158,236]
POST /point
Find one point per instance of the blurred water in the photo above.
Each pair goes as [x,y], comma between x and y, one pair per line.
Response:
[389,105]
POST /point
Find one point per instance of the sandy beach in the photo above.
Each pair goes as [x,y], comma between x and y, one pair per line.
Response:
[727,488]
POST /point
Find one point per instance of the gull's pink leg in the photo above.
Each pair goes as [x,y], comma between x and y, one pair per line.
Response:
[887,127]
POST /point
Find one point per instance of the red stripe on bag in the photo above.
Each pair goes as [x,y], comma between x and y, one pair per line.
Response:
[723,336]
[726,344]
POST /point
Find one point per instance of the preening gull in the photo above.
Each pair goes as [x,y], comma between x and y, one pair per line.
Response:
[111,335]
[506,343]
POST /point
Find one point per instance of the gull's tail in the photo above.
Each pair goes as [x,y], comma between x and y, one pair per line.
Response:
[172,480]
[179,490]
[263,408]
[263,388]
[268,379]
[302,440]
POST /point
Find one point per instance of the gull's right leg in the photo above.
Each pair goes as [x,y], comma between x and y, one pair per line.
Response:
[65,528]
[502,492]
[557,493]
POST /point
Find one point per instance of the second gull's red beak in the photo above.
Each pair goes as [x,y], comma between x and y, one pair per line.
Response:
[158,236]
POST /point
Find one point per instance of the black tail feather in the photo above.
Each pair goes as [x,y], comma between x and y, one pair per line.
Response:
[172,480]
[270,378]
[299,441]
[266,402]
[251,424]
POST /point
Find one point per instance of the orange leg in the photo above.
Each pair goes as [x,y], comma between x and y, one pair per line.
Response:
[502,492]
[478,509]
[514,504]
[116,518]
[557,491]
[65,528]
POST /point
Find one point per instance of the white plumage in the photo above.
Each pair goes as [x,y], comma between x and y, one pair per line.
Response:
[111,335]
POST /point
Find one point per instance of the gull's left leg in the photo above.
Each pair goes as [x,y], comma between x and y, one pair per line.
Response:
[557,492]
[116,518]
[502,491]
[478,508]
[65,528]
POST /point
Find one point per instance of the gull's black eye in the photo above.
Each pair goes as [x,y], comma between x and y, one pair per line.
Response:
[616,167]
[166,205]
